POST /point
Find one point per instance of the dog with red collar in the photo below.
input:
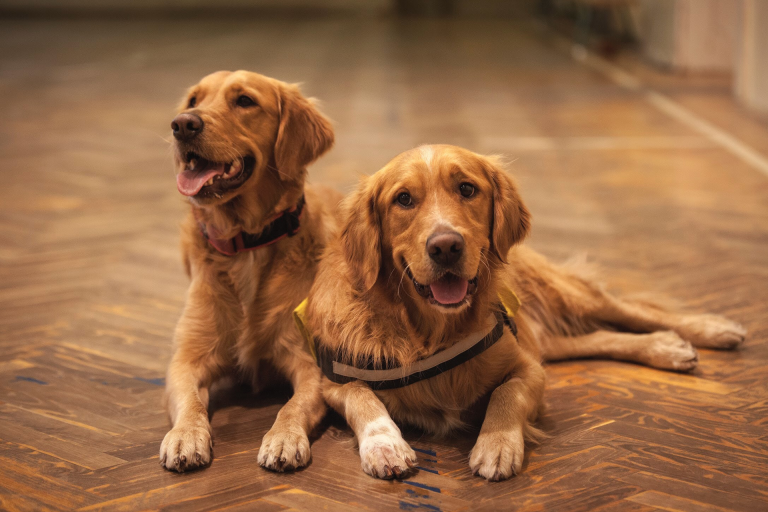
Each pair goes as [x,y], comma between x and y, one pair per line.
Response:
[251,243]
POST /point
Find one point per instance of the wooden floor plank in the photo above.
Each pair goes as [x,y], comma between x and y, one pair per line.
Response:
[695,493]
[663,501]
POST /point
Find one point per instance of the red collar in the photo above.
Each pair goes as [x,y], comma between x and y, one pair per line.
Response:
[284,224]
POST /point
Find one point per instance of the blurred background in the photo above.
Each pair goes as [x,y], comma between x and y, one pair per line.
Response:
[566,88]
[637,129]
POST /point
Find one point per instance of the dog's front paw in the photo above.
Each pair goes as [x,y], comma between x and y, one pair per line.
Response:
[712,331]
[668,351]
[186,448]
[498,455]
[386,455]
[284,449]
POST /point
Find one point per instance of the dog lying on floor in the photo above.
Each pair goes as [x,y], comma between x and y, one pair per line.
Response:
[251,243]
[413,313]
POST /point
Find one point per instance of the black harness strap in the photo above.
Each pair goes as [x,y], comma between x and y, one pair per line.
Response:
[326,358]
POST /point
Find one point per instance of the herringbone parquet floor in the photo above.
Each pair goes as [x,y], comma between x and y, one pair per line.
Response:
[91,283]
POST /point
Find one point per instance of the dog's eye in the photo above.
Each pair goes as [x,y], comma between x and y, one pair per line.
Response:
[405,199]
[192,102]
[244,101]
[467,190]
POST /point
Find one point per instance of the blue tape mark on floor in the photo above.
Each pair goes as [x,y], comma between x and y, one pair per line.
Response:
[404,505]
[160,381]
[428,452]
[422,486]
[417,494]
[31,379]
[428,470]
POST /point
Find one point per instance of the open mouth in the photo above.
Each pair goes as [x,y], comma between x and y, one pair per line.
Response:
[448,291]
[203,178]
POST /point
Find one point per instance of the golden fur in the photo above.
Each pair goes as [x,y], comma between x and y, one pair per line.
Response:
[237,318]
[364,304]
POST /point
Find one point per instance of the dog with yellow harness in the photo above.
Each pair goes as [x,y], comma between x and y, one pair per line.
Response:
[414,315]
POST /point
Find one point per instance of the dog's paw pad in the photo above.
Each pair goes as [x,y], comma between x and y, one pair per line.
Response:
[386,455]
[712,331]
[668,351]
[498,455]
[284,449]
[186,448]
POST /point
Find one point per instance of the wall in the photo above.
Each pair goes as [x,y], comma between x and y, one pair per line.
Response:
[751,84]
[690,35]
[657,30]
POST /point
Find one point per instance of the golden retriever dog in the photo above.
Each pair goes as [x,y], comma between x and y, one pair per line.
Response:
[419,270]
[251,243]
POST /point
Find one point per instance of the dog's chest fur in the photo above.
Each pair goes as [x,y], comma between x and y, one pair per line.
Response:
[246,277]
[257,290]
[267,290]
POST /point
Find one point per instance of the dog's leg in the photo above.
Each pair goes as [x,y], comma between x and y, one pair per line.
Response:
[500,448]
[286,445]
[188,444]
[571,296]
[662,349]
[558,292]
[383,451]
[709,331]
[195,365]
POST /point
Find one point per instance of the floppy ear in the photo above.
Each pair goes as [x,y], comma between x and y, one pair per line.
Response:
[302,136]
[361,234]
[510,220]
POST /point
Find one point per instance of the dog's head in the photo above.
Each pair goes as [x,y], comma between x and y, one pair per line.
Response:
[233,127]
[440,216]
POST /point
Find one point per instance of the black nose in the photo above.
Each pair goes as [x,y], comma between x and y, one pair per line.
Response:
[446,247]
[186,126]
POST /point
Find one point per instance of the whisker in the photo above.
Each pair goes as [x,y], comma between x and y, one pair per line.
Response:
[401,282]
[484,260]
[402,276]
[278,171]
[390,275]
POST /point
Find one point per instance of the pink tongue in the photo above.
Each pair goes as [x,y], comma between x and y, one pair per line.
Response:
[189,181]
[449,289]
